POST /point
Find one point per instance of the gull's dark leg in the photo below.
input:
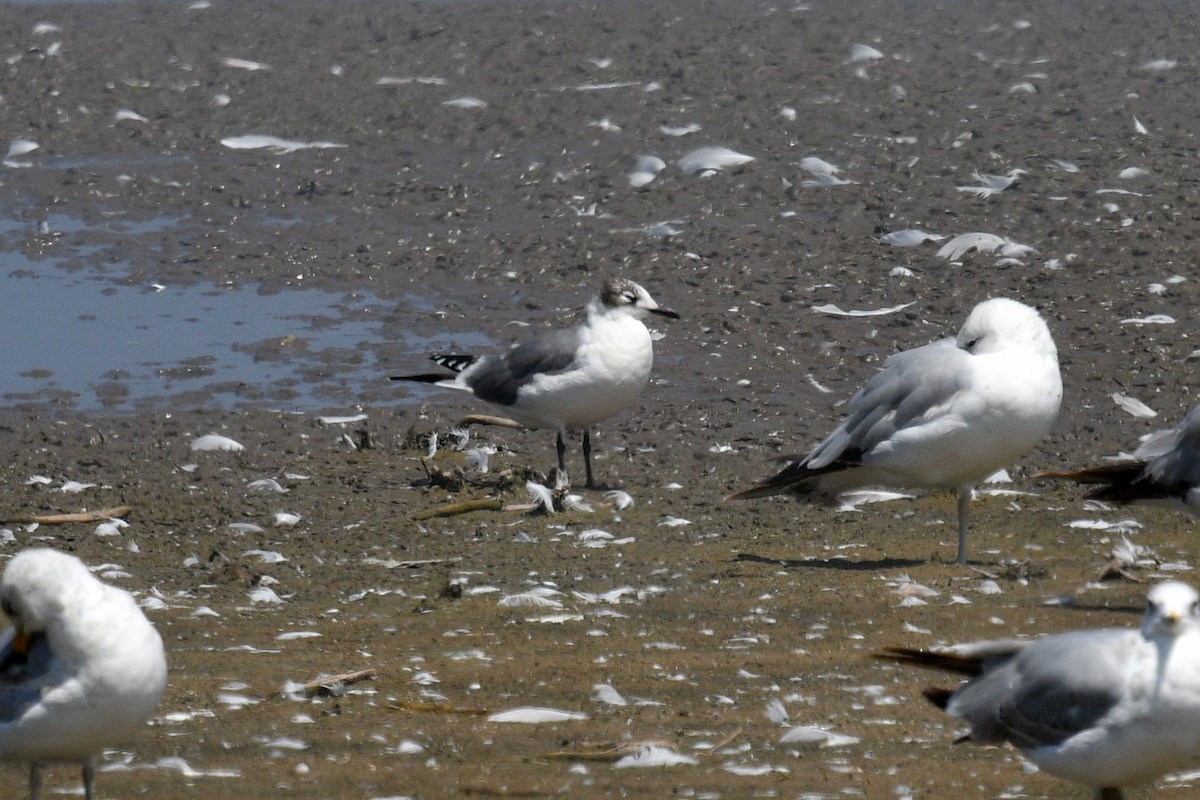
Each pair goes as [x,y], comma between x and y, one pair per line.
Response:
[561,447]
[1110,793]
[89,779]
[587,457]
[35,780]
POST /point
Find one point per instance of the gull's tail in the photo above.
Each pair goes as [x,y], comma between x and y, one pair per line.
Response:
[801,480]
[957,663]
[1124,482]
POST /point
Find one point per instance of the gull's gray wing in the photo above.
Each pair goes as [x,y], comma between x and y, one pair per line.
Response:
[498,379]
[1178,469]
[23,677]
[1049,690]
[911,384]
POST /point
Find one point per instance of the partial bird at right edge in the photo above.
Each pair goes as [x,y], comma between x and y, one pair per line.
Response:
[942,416]
[1106,708]
[1165,467]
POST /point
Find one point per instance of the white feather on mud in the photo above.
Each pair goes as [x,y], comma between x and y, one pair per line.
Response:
[213,442]
[964,243]
[712,159]
[910,237]
[540,496]
[645,170]
[1134,406]
[255,141]
[267,485]
[536,714]
[834,310]
[539,597]
[654,755]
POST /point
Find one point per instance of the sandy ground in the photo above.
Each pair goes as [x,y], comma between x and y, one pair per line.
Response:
[465,219]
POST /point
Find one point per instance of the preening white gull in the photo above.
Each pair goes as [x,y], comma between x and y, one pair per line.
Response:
[1105,708]
[942,416]
[567,379]
[81,669]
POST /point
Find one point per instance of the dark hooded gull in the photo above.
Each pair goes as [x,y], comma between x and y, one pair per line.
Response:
[567,379]
[942,416]
[1104,708]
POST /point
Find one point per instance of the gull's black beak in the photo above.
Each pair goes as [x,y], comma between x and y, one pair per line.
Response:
[664,312]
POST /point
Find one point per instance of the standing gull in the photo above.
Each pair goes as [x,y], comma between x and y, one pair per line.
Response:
[942,416]
[81,669]
[1103,708]
[567,379]
[1165,467]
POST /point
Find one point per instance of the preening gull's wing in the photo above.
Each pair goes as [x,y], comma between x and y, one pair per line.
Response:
[23,677]
[498,379]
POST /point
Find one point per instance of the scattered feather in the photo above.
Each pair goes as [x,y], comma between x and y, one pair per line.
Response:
[712,159]
[285,519]
[605,693]
[834,310]
[264,594]
[541,597]
[860,53]
[990,185]
[534,715]
[1134,406]
[646,170]
[575,502]
[1153,319]
[254,141]
[246,64]
[477,457]
[213,442]
[266,485]
[653,755]
[621,500]
[111,528]
[964,243]
[125,115]
[540,496]
[465,102]
[910,238]
[811,734]
[680,130]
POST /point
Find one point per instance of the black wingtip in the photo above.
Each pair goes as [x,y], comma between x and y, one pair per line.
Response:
[427,377]
[939,697]
[455,362]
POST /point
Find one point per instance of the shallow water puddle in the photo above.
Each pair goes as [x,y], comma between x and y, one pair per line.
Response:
[81,338]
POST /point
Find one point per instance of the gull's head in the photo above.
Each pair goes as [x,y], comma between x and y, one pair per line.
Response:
[1171,608]
[1001,324]
[35,585]
[624,295]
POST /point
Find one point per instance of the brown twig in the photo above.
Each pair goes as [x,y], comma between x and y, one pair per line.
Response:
[79,516]
[454,509]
